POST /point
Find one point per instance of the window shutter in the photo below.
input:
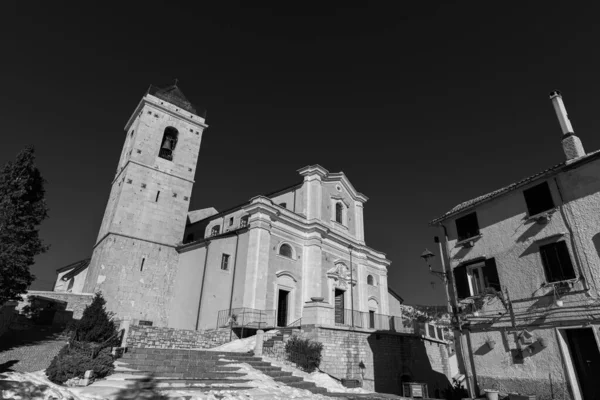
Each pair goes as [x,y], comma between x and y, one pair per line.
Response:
[462,284]
[566,267]
[490,274]
[557,262]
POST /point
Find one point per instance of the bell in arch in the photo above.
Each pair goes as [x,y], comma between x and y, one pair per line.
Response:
[168,144]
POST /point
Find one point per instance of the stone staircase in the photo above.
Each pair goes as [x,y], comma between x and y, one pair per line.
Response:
[278,340]
[202,370]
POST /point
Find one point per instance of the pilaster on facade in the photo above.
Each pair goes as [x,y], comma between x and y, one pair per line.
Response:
[259,241]
[312,268]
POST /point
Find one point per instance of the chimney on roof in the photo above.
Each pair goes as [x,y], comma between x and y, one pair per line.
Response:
[571,144]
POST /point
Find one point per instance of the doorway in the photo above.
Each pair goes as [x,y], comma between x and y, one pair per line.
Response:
[585,357]
[339,306]
[282,308]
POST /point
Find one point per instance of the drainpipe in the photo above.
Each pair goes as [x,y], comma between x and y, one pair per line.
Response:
[202,286]
[454,299]
[586,285]
[447,275]
[237,241]
[351,287]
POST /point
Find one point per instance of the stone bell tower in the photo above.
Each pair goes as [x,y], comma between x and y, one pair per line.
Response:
[134,258]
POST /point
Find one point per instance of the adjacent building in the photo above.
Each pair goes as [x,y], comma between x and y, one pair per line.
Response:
[525,279]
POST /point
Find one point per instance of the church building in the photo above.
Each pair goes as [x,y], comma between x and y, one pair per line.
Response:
[297,253]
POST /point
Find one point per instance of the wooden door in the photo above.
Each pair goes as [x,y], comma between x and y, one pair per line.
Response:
[339,306]
[586,360]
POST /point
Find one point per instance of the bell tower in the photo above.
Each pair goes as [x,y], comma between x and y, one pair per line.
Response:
[134,258]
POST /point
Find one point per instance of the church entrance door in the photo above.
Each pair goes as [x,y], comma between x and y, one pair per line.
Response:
[282,308]
[339,306]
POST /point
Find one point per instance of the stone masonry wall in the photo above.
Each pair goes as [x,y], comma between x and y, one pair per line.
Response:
[382,360]
[75,302]
[167,338]
[7,314]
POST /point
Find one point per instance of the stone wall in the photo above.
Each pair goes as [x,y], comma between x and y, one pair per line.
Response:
[76,303]
[7,314]
[152,337]
[382,360]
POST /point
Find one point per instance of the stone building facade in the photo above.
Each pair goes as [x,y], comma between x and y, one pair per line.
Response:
[525,280]
[266,259]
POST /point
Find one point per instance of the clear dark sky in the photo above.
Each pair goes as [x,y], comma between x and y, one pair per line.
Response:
[422,106]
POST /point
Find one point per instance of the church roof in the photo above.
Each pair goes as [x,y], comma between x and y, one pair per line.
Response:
[75,268]
[174,95]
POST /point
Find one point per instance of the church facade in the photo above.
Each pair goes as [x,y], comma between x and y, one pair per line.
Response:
[277,256]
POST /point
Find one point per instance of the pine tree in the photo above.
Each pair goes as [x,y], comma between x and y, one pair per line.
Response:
[22,210]
[95,324]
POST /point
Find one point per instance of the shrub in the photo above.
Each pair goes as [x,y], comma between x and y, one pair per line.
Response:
[304,352]
[95,325]
[72,363]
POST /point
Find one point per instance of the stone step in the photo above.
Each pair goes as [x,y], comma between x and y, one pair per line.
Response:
[267,369]
[251,363]
[140,350]
[206,388]
[287,379]
[274,374]
[193,381]
[302,385]
[183,357]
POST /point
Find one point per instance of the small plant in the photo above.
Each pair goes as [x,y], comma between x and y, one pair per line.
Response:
[96,324]
[304,352]
[491,343]
[72,363]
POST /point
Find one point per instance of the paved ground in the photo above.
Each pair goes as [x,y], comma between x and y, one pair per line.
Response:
[29,350]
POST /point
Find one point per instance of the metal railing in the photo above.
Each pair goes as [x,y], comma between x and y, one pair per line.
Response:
[246,318]
[381,322]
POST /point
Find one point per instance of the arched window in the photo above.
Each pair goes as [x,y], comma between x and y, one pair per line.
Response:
[286,250]
[339,213]
[370,280]
[215,230]
[169,141]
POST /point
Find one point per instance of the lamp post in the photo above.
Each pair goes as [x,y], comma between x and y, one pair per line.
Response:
[443,275]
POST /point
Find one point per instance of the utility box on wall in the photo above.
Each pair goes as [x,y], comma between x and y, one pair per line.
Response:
[415,390]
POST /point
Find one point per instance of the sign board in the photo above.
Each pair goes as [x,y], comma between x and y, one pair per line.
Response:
[145,323]
[417,390]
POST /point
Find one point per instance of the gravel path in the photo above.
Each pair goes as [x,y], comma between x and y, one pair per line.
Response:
[29,350]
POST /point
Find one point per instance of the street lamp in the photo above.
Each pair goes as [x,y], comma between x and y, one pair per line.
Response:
[427,256]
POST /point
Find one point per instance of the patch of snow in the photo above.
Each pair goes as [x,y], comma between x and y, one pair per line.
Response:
[319,378]
[106,389]
[240,345]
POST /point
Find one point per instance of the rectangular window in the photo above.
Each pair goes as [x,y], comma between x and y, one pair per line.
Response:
[225,262]
[473,279]
[371,319]
[231,221]
[467,226]
[557,262]
[538,199]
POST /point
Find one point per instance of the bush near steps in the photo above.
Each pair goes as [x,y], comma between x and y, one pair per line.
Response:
[90,346]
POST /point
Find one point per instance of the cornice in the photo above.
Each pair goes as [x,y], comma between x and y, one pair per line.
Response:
[155,102]
[279,218]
